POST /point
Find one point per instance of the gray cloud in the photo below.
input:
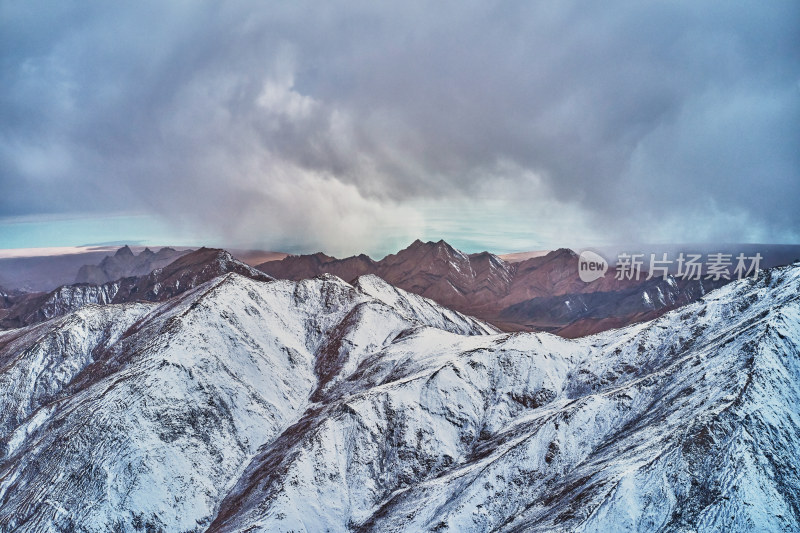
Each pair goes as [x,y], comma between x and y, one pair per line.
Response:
[326,124]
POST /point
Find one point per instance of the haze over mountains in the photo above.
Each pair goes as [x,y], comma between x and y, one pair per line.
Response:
[124,263]
[45,269]
[185,273]
[44,272]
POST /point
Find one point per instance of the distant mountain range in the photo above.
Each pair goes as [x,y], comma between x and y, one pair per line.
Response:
[539,293]
[42,270]
[124,263]
[542,293]
[185,273]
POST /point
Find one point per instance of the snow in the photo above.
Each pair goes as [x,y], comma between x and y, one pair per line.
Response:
[319,405]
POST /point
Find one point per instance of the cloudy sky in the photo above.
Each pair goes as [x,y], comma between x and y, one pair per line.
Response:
[360,126]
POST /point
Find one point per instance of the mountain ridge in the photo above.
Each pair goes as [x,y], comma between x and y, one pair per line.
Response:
[124,264]
[513,296]
[187,271]
[255,405]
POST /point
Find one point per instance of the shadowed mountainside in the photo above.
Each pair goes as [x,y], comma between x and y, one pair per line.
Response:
[542,293]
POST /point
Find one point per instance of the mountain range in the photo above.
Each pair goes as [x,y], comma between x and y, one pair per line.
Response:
[186,272]
[543,293]
[258,405]
[124,263]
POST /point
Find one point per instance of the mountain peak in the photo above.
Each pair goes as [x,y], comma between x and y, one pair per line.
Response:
[203,255]
[125,251]
[322,257]
[441,244]
[562,252]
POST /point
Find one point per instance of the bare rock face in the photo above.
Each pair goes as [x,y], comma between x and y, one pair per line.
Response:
[543,293]
[317,405]
[434,270]
[297,267]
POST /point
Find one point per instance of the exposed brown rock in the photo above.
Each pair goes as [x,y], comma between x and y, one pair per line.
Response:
[538,293]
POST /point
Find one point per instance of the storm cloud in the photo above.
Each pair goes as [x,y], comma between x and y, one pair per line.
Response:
[330,125]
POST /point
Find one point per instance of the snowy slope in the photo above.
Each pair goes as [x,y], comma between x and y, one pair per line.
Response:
[416,307]
[70,298]
[322,406]
[144,414]
[687,423]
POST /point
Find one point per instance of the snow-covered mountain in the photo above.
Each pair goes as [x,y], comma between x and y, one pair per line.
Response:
[316,405]
[187,272]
